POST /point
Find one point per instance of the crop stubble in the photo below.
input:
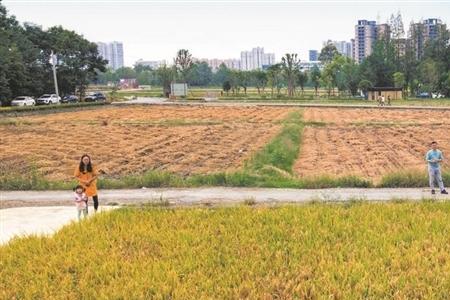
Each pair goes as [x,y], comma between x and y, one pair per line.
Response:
[370,142]
[129,140]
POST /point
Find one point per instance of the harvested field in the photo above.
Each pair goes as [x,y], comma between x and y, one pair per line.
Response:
[358,116]
[368,151]
[133,140]
[157,113]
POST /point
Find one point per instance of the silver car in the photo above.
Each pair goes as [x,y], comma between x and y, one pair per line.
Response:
[23,101]
[48,99]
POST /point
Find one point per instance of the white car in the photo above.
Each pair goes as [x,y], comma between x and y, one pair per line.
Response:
[48,99]
[23,101]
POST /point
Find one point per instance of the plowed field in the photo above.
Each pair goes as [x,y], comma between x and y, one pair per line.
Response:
[345,115]
[370,143]
[185,140]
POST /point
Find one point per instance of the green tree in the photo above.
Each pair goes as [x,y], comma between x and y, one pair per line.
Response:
[183,63]
[125,73]
[165,77]
[315,78]
[331,73]
[438,51]
[364,86]
[429,75]
[260,79]
[379,67]
[243,79]
[275,78]
[200,74]
[290,65]
[348,78]
[302,79]
[328,53]
[226,86]
[222,74]
[399,79]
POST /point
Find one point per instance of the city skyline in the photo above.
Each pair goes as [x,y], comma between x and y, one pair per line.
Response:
[217,29]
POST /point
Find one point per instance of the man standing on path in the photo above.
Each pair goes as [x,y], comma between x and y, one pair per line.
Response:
[434,157]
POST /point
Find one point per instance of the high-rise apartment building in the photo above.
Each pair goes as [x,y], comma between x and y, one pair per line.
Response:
[422,32]
[343,47]
[366,34]
[113,53]
[313,55]
[256,59]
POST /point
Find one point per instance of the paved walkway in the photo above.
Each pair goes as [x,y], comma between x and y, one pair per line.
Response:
[212,195]
[22,221]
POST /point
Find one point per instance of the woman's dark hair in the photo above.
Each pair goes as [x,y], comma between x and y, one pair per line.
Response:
[89,165]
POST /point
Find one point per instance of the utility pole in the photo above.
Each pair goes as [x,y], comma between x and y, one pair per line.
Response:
[55,80]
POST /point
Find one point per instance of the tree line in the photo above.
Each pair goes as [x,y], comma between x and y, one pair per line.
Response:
[25,66]
[339,75]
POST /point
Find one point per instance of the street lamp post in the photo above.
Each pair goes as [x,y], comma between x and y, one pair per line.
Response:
[55,80]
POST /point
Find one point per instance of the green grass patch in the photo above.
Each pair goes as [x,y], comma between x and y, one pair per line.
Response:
[281,152]
[407,179]
[357,251]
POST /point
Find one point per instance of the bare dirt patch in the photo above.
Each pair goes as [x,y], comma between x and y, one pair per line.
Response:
[368,151]
[136,139]
[345,116]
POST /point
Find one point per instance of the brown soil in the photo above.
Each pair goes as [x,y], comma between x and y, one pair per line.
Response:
[126,140]
[368,151]
[345,116]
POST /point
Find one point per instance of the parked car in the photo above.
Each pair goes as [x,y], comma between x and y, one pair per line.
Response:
[23,101]
[437,95]
[69,99]
[94,97]
[48,99]
[423,95]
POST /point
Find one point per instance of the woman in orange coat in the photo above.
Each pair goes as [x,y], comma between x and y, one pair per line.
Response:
[86,174]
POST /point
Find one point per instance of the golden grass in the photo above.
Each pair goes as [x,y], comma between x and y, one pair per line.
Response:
[353,251]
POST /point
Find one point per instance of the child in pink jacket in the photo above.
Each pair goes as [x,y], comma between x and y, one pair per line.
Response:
[81,201]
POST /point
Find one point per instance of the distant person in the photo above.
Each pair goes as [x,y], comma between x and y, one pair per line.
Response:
[81,201]
[383,100]
[86,174]
[389,100]
[434,157]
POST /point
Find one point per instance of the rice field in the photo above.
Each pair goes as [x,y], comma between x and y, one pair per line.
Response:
[352,251]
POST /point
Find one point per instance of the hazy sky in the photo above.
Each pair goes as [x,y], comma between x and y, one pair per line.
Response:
[155,30]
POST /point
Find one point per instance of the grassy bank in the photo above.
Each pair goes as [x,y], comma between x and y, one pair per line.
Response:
[352,251]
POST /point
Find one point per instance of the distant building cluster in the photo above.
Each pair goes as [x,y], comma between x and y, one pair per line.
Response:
[214,64]
[256,59]
[154,64]
[368,32]
[113,53]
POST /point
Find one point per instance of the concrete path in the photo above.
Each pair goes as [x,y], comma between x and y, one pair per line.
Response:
[142,100]
[214,195]
[23,221]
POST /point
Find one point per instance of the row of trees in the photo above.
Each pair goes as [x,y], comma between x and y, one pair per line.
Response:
[386,66]
[25,67]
